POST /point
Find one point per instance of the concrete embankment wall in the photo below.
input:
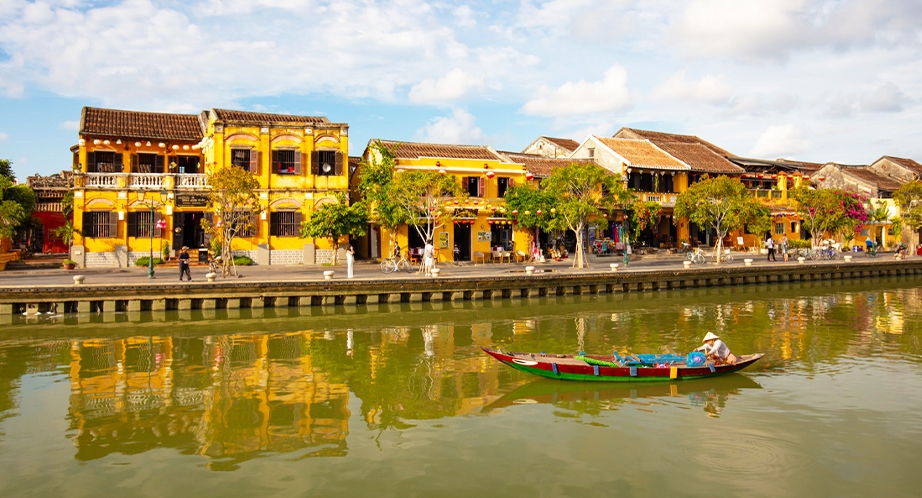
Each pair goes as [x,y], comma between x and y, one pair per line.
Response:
[236,295]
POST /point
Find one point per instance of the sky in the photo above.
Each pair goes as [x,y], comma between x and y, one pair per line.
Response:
[814,80]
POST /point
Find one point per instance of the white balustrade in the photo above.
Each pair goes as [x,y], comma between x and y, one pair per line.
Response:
[189,180]
[101,180]
[145,180]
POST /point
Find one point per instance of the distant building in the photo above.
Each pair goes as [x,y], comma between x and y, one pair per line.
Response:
[554,148]
[49,211]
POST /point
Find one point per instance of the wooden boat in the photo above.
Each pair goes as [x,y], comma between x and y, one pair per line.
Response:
[603,369]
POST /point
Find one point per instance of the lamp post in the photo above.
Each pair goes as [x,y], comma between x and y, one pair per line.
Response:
[152,204]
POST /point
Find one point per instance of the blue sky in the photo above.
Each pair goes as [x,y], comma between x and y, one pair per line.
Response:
[816,80]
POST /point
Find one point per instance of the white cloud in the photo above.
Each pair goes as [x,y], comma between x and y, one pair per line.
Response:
[452,86]
[710,89]
[582,97]
[3,136]
[459,128]
[887,98]
[464,16]
[779,141]
[70,125]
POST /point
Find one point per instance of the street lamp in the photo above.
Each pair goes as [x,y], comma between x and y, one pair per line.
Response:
[153,204]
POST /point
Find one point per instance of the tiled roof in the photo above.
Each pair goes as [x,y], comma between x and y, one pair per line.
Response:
[227,115]
[563,143]
[906,163]
[412,150]
[540,166]
[882,182]
[803,166]
[134,124]
[658,137]
[643,154]
[699,157]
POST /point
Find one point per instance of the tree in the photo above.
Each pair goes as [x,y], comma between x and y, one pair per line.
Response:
[721,203]
[333,220]
[584,192]
[644,214]
[376,185]
[877,215]
[12,213]
[829,210]
[6,170]
[235,201]
[909,198]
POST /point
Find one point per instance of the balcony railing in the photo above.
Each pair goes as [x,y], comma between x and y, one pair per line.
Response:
[49,207]
[105,180]
[145,180]
[189,180]
[665,199]
[766,194]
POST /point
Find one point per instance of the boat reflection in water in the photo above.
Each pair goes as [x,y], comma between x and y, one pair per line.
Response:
[590,397]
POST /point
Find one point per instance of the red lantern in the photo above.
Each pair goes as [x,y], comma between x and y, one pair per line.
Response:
[456,201]
[490,222]
[538,212]
[529,175]
[515,211]
[822,178]
[490,174]
[442,171]
[761,175]
[476,202]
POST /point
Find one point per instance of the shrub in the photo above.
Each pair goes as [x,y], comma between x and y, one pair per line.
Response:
[242,261]
[144,260]
[799,243]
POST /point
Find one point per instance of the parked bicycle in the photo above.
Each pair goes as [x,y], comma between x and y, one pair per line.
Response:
[390,265]
[696,256]
[826,253]
[726,257]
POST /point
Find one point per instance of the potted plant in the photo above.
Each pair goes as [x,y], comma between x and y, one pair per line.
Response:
[166,252]
[69,264]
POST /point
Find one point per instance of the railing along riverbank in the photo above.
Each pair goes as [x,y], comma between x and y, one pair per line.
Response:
[228,294]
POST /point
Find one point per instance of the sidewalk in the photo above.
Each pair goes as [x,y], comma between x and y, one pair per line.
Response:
[370,270]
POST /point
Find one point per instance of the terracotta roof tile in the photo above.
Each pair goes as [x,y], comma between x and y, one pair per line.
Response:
[228,115]
[540,166]
[412,150]
[563,143]
[135,124]
[657,137]
[882,182]
[700,157]
[906,163]
[642,153]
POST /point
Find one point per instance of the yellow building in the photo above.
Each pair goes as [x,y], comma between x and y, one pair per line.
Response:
[140,181]
[480,224]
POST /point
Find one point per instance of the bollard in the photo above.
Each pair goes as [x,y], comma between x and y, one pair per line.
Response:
[613,266]
[801,260]
[847,258]
[211,276]
[747,262]
[687,264]
[529,270]
[435,272]
[328,275]
[78,279]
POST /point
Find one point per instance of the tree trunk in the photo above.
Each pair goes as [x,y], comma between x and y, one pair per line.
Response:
[335,249]
[720,241]
[580,260]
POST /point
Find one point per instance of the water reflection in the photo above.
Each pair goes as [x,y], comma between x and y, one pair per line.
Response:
[592,398]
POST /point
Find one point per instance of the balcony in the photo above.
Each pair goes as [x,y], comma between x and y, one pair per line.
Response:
[49,207]
[665,199]
[770,196]
[103,180]
[145,181]
[191,181]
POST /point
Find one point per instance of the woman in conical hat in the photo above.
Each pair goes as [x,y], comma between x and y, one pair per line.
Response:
[717,350]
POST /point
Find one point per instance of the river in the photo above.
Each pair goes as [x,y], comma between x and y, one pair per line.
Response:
[403,402]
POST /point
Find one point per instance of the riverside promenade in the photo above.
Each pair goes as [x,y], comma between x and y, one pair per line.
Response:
[104,290]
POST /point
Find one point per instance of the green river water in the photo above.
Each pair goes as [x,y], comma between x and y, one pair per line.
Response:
[401,401]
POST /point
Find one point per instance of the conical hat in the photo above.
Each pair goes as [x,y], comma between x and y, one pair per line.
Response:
[709,336]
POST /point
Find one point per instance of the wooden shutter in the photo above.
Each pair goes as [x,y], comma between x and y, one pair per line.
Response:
[481,187]
[510,183]
[275,162]
[339,163]
[88,229]
[158,164]
[133,163]
[254,161]
[133,224]
[90,162]
[465,181]
[298,159]
[273,224]
[299,218]
[113,224]
[119,163]
[315,162]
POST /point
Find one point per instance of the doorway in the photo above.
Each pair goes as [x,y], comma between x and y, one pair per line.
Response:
[463,240]
[187,230]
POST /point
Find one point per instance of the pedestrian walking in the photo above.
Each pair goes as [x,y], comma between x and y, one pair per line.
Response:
[184,269]
[770,245]
[350,260]
[784,246]
[428,258]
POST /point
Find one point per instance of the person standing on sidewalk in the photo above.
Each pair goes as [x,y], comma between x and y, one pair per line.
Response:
[428,258]
[770,245]
[350,260]
[784,247]
[184,269]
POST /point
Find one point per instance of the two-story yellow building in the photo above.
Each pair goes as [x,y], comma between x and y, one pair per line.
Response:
[480,223]
[140,181]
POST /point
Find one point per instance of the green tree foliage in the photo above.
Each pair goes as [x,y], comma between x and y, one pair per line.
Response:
[335,219]
[235,201]
[6,170]
[376,186]
[721,203]
[909,198]
[829,210]
[12,213]
[583,193]
[524,202]
[644,214]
